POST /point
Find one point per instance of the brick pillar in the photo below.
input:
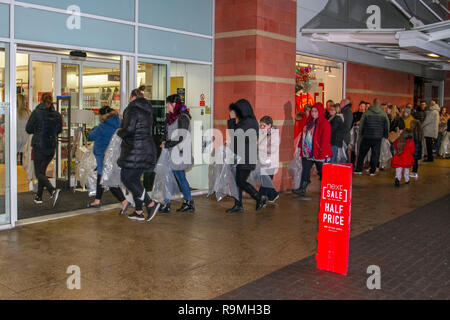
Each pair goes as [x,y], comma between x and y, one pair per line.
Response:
[447,90]
[255,49]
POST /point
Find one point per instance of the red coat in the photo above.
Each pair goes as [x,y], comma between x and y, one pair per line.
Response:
[322,136]
[406,158]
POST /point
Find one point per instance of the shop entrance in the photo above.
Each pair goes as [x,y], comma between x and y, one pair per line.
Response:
[88,85]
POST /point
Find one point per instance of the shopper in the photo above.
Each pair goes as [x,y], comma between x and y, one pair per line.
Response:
[23,114]
[269,138]
[420,112]
[138,152]
[302,117]
[315,147]
[396,123]
[346,111]
[328,105]
[101,135]
[373,128]
[358,115]
[407,117]
[45,124]
[404,156]
[431,129]
[443,119]
[243,129]
[417,134]
[178,142]
[338,132]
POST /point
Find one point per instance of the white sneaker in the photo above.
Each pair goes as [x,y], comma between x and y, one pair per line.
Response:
[414,175]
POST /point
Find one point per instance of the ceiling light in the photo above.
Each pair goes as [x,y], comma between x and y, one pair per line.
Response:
[433,55]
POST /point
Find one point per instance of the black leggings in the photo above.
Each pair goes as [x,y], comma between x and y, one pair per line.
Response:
[42,159]
[241,181]
[415,166]
[117,192]
[131,178]
[306,172]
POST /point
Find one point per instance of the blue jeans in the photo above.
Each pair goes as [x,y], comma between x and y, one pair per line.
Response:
[184,185]
[335,150]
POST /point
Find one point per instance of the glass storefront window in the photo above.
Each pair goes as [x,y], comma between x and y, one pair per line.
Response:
[70,82]
[318,80]
[194,81]
[5,216]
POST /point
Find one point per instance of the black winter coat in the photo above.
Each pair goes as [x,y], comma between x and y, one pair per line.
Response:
[374,124]
[420,115]
[138,149]
[247,121]
[397,122]
[337,131]
[348,122]
[45,124]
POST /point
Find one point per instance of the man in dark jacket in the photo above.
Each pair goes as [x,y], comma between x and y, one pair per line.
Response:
[420,113]
[45,124]
[138,152]
[346,110]
[373,128]
[243,128]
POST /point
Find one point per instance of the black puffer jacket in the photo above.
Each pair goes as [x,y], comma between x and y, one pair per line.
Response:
[337,131]
[420,115]
[374,124]
[395,123]
[247,121]
[45,124]
[138,150]
[348,122]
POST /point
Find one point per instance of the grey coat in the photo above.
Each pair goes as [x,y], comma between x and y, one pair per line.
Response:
[431,124]
[180,145]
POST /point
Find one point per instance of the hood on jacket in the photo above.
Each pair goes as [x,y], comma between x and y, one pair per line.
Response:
[107,116]
[375,110]
[321,109]
[243,109]
[142,104]
[435,107]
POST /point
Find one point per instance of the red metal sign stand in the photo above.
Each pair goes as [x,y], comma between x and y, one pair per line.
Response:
[334,218]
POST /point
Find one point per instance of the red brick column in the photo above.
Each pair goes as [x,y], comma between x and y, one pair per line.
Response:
[255,49]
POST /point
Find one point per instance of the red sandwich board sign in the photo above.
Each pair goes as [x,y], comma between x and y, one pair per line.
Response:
[334,218]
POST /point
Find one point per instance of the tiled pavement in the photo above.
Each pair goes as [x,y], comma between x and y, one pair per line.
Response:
[412,252]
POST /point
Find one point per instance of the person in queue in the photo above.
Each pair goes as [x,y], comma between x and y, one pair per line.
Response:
[45,124]
[138,153]
[314,145]
[178,118]
[101,135]
[243,129]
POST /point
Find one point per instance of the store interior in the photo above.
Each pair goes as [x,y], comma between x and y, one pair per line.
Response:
[100,85]
[318,80]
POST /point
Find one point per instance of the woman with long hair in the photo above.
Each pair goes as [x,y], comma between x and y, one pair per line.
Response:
[178,143]
[315,146]
[138,153]
[443,119]
[23,114]
[396,122]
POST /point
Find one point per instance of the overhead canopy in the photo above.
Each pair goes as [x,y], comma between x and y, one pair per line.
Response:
[396,29]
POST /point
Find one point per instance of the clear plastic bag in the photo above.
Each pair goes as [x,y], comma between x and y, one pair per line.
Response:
[111,170]
[165,186]
[256,178]
[86,174]
[445,145]
[385,153]
[342,154]
[295,169]
[224,174]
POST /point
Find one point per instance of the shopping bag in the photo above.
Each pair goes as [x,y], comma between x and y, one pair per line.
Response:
[27,161]
[342,154]
[224,174]
[258,178]
[111,170]
[86,169]
[385,153]
[445,145]
[165,186]
[295,169]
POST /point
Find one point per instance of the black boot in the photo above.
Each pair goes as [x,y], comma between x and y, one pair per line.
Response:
[236,208]
[302,190]
[188,206]
[165,208]
[261,203]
